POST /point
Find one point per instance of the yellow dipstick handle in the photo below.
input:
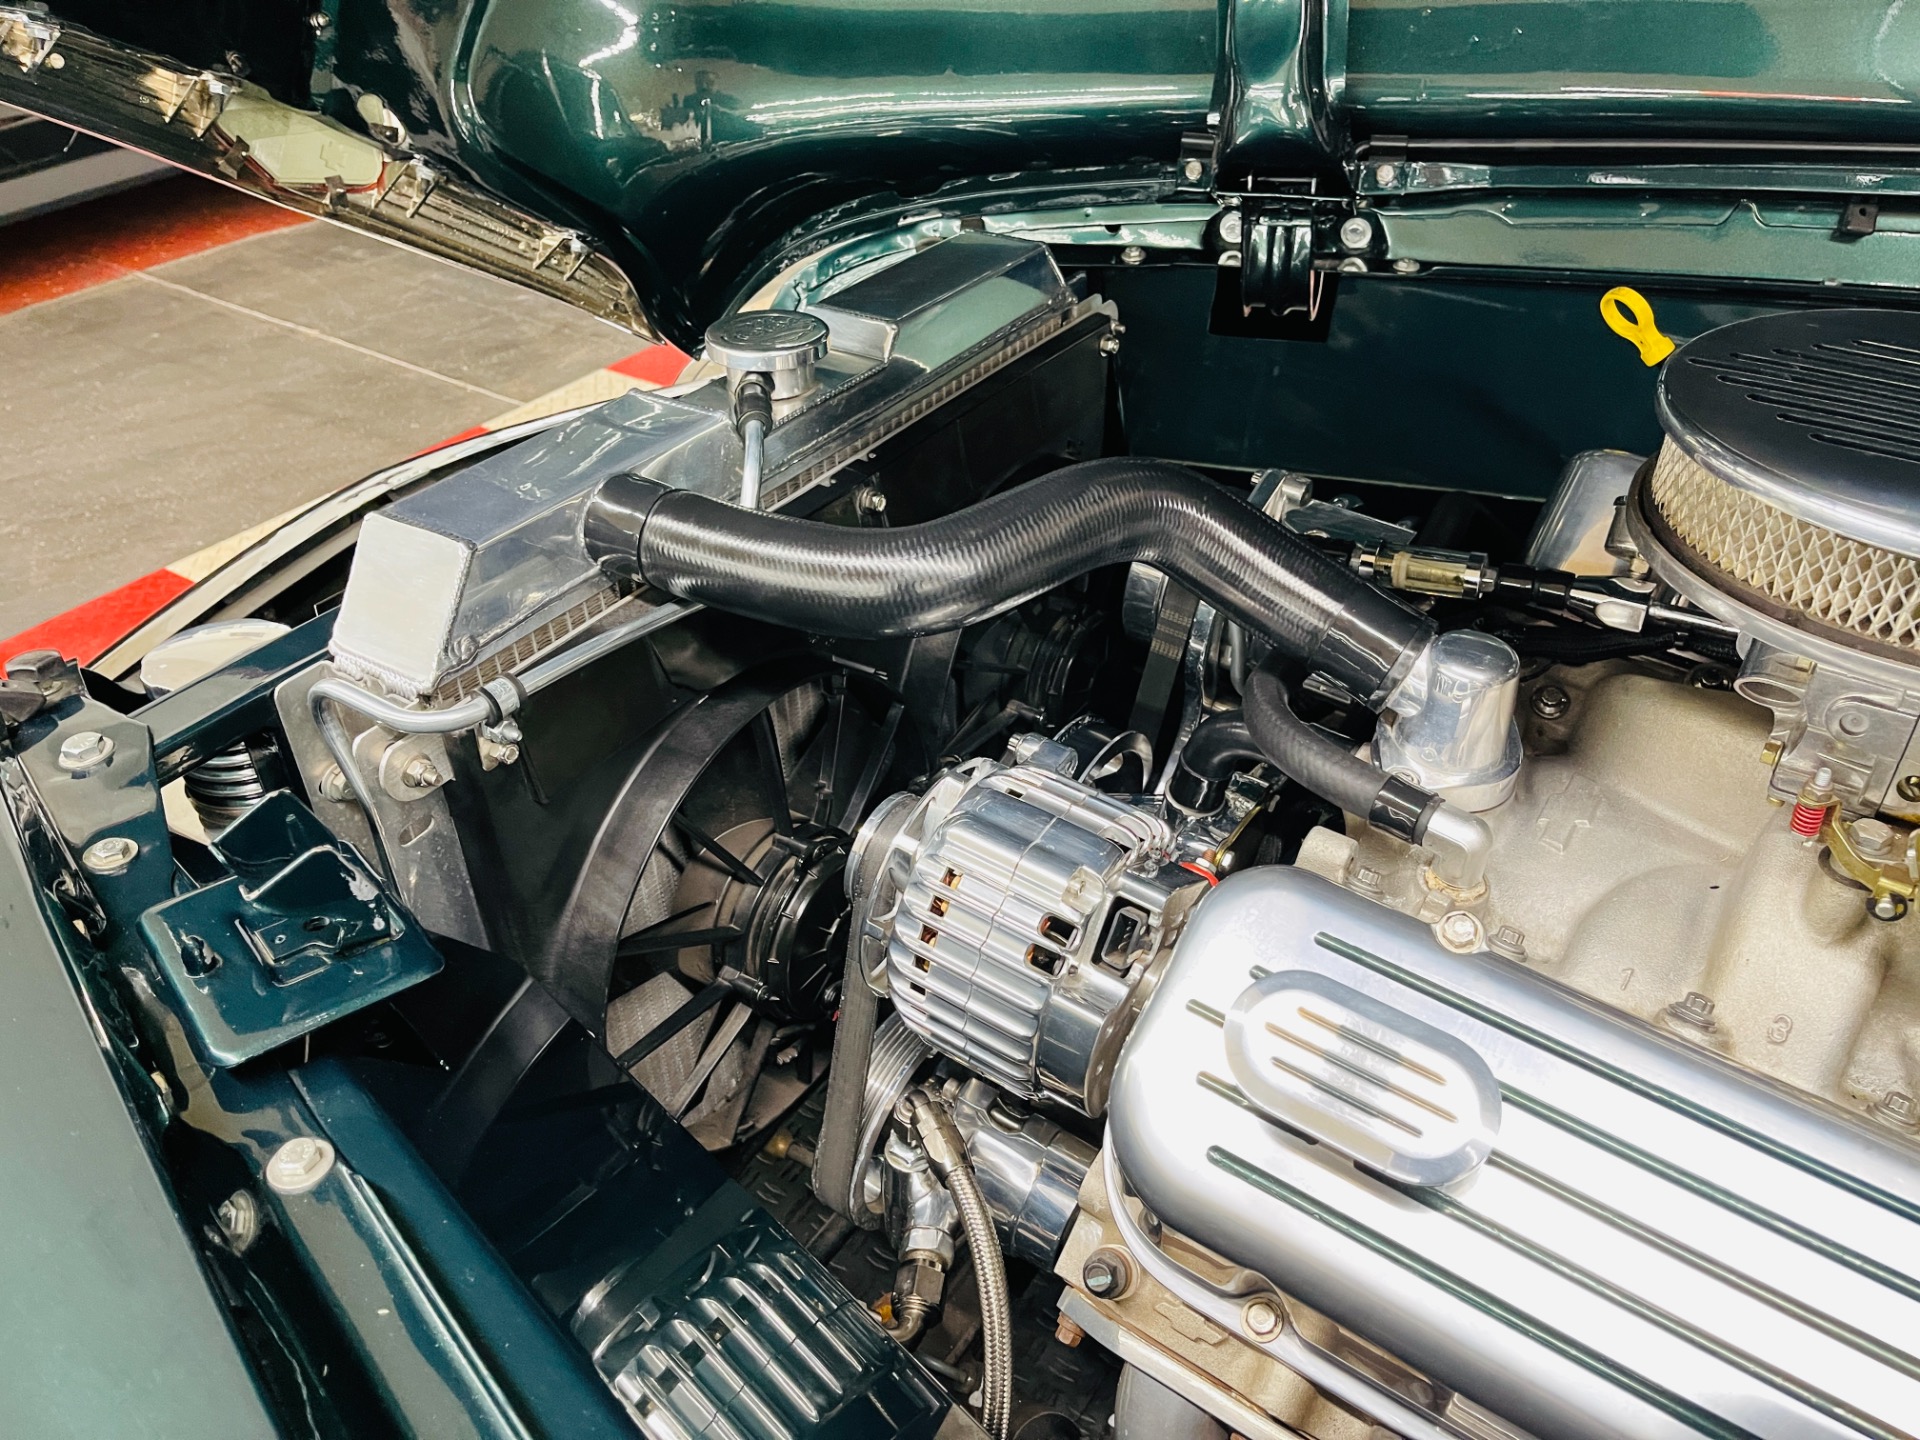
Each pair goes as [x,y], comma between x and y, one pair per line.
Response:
[1629,316]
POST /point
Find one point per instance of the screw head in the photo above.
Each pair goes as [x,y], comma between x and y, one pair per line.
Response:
[1232,227]
[1261,1319]
[299,1165]
[319,20]
[1356,233]
[1109,344]
[1404,266]
[1550,702]
[1385,174]
[1132,255]
[1192,170]
[872,499]
[1908,787]
[83,751]
[109,855]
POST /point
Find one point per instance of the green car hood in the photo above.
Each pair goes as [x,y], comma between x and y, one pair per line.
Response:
[667,155]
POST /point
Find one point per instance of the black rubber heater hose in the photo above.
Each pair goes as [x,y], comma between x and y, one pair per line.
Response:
[985,559]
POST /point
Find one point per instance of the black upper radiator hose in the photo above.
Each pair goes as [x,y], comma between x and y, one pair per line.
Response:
[977,562]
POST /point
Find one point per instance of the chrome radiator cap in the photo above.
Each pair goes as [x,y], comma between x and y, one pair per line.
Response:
[1651,1244]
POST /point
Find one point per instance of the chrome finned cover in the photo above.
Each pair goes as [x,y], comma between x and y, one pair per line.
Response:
[1656,1244]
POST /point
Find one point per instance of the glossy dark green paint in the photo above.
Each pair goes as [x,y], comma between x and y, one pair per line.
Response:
[710,138]
[1451,385]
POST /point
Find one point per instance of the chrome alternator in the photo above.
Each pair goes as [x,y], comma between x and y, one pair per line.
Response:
[1013,914]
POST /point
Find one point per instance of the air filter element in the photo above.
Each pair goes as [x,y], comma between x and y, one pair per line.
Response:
[1789,481]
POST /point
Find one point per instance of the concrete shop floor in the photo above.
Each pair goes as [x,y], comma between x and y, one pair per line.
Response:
[162,407]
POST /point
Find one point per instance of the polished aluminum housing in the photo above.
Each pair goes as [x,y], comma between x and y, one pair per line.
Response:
[1656,1244]
[1011,912]
[1452,728]
[477,575]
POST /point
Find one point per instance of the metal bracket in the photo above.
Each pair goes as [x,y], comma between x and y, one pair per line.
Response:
[297,936]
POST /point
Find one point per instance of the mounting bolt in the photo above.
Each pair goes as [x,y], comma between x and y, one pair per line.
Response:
[1109,344]
[872,499]
[239,1220]
[1107,1274]
[1356,233]
[1550,702]
[333,785]
[1192,171]
[420,773]
[83,751]
[1459,931]
[1405,266]
[1232,227]
[319,20]
[1261,1318]
[1068,1333]
[1694,1011]
[110,855]
[1885,906]
[1875,839]
[299,1165]
[1385,174]
[1132,255]
[1897,1107]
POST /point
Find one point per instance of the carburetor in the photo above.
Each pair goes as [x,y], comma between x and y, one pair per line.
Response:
[1014,913]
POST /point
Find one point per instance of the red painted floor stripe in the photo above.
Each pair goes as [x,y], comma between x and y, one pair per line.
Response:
[657,365]
[102,240]
[85,632]
[466,434]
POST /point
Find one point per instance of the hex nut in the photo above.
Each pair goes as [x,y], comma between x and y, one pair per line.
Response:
[332,785]
[1068,1333]
[1693,1011]
[109,855]
[84,750]
[299,1165]
[239,1220]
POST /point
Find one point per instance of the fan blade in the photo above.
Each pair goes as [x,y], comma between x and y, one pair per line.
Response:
[655,941]
[877,760]
[702,1002]
[773,772]
[706,844]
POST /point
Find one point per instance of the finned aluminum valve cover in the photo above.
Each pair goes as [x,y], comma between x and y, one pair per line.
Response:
[1630,1237]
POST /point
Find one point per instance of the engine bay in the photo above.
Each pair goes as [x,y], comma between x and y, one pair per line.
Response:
[886,909]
